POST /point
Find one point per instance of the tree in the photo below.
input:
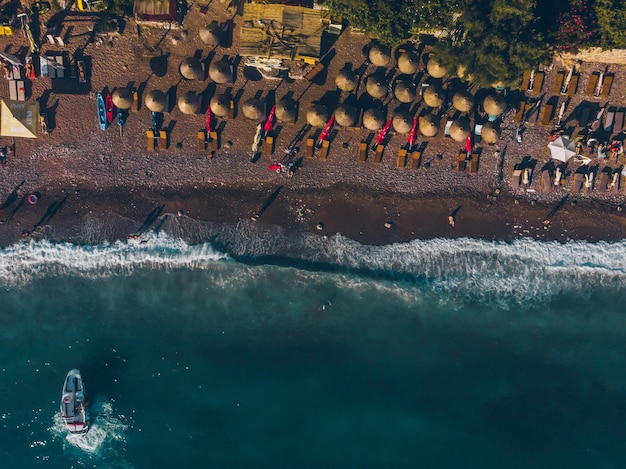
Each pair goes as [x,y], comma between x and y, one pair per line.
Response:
[611,16]
[577,27]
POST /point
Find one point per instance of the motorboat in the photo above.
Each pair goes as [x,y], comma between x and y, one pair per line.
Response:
[74,403]
[102,113]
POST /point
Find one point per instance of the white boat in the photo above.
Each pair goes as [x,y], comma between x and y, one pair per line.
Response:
[74,403]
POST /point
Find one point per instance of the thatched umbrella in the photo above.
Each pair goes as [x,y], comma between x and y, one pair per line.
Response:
[189,103]
[460,129]
[404,90]
[402,122]
[428,125]
[374,118]
[376,85]
[210,34]
[380,55]
[435,69]
[287,110]
[346,80]
[317,115]
[220,105]
[408,62]
[220,71]
[433,96]
[192,69]
[494,104]
[346,115]
[254,109]
[122,98]
[463,101]
[490,133]
[155,100]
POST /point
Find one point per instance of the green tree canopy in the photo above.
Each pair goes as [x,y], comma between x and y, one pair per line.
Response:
[611,16]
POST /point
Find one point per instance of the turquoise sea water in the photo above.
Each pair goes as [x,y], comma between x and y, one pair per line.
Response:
[313,352]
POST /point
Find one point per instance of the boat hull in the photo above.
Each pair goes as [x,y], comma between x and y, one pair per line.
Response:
[74,403]
[102,115]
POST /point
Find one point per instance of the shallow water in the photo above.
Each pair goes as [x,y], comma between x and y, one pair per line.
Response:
[432,353]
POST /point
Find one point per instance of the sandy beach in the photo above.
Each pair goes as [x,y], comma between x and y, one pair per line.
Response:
[83,174]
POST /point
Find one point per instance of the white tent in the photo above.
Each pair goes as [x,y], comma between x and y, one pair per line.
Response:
[562,149]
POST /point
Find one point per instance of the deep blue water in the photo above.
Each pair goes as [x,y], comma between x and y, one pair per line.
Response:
[427,354]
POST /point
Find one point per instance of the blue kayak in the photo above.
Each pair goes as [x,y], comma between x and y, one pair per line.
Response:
[102,114]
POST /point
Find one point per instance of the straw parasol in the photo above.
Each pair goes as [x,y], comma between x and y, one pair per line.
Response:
[463,101]
[346,80]
[155,100]
[254,109]
[494,104]
[287,110]
[123,98]
[317,115]
[220,71]
[346,115]
[460,129]
[376,85]
[220,105]
[380,55]
[210,34]
[402,122]
[374,118]
[189,103]
[408,62]
[435,69]
[404,90]
[433,96]
[490,133]
[428,125]
[192,69]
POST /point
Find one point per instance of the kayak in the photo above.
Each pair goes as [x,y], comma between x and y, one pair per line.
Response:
[109,107]
[102,116]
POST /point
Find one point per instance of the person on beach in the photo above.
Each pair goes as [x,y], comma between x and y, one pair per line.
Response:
[451,220]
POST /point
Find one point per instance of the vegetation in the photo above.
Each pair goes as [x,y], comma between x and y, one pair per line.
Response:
[611,17]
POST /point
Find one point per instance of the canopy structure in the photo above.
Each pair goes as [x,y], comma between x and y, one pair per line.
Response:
[19,118]
[189,103]
[10,58]
[220,71]
[376,85]
[433,96]
[562,149]
[287,110]
[490,133]
[211,34]
[155,100]
[404,90]
[402,122]
[494,104]
[374,118]
[254,109]
[346,115]
[220,105]
[192,69]
[435,69]
[346,80]
[408,62]
[317,116]
[122,98]
[379,55]
[428,125]
[460,129]
[463,101]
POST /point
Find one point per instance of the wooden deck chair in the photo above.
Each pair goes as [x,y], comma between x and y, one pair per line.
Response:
[379,153]
[150,135]
[607,83]
[546,114]
[532,113]
[214,141]
[269,146]
[473,167]
[308,152]
[311,74]
[558,83]
[201,140]
[592,83]
[21,90]
[573,86]
[362,152]
[401,161]
[461,162]
[577,185]
[135,106]
[516,178]
[13,90]
[584,117]
[525,82]
[163,140]
[545,184]
[416,159]
[324,150]
[231,109]
[519,114]
[59,71]
[603,181]
[538,83]
[610,118]
[619,121]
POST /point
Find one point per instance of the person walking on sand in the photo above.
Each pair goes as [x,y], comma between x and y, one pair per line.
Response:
[451,220]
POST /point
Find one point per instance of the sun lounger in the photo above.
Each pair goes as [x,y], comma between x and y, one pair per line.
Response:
[446,131]
[416,159]
[546,182]
[201,140]
[231,109]
[546,114]
[308,152]
[163,140]
[573,86]
[619,122]
[519,114]
[516,178]
[525,82]
[135,106]
[584,117]
[607,83]
[592,83]
[324,150]
[473,167]
[558,83]
[379,153]
[150,135]
[401,162]
[269,145]
[532,113]
[616,178]
[461,162]
[577,185]
[608,122]
[603,181]
[214,140]
[478,133]
[538,83]
[362,152]
[527,176]
[13,90]
[311,74]
[59,71]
